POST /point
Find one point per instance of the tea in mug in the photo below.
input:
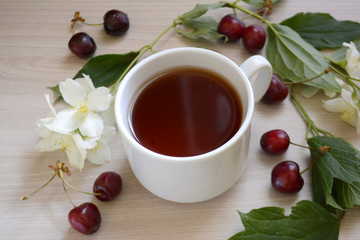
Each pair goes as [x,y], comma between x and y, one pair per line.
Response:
[186,111]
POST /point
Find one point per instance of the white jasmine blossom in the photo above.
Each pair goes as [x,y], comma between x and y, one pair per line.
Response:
[79,131]
[101,152]
[41,130]
[108,115]
[86,102]
[348,105]
[353,60]
[71,144]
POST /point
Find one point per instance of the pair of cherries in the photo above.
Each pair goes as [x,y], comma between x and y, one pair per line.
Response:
[86,218]
[253,36]
[116,23]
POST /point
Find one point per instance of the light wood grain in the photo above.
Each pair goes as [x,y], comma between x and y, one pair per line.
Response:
[34,55]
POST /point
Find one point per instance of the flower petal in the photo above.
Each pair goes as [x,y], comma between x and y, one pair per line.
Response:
[92,125]
[72,92]
[99,99]
[86,82]
[76,154]
[336,105]
[108,115]
[66,121]
[52,109]
[108,134]
[100,154]
[50,143]
[353,60]
[41,129]
[89,143]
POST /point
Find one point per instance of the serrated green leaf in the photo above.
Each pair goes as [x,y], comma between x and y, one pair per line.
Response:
[338,57]
[322,30]
[203,27]
[199,10]
[296,60]
[337,171]
[308,220]
[257,3]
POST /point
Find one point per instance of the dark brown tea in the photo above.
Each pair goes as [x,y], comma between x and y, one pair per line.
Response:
[186,112]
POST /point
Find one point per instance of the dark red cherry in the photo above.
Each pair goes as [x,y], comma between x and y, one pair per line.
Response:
[232,27]
[85,218]
[275,141]
[82,45]
[276,92]
[109,184]
[116,23]
[254,38]
[285,177]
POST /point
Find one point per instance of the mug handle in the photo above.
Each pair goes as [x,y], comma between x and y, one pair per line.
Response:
[258,64]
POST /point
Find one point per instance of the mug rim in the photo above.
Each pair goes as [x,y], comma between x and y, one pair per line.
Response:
[182,159]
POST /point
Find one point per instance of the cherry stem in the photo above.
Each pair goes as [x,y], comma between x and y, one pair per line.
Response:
[307,147]
[348,79]
[326,71]
[67,195]
[76,189]
[311,125]
[43,186]
[323,149]
[60,169]
[251,13]
[77,18]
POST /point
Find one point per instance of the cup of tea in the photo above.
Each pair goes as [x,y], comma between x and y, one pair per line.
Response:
[184,117]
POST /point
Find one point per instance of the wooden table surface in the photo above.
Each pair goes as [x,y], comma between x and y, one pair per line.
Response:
[34,54]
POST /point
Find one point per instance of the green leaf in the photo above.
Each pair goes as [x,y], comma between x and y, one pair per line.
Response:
[55,89]
[105,70]
[337,171]
[199,10]
[308,220]
[203,27]
[257,3]
[322,30]
[338,57]
[296,60]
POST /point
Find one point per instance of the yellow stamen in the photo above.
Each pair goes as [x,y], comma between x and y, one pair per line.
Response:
[83,110]
[93,150]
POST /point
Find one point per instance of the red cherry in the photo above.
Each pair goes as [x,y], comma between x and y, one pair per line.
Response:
[109,184]
[285,177]
[85,218]
[276,92]
[82,45]
[116,23]
[275,141]
[254,38]
[232,27]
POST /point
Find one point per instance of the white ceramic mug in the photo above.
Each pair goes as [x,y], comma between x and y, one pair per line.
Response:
[201,177]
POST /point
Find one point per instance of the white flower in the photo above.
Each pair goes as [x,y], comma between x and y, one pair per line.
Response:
[72,144]
[348,105]
[108,115]
[41,130]
[86,102]
[81,131]
[353,60]
[101,152]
